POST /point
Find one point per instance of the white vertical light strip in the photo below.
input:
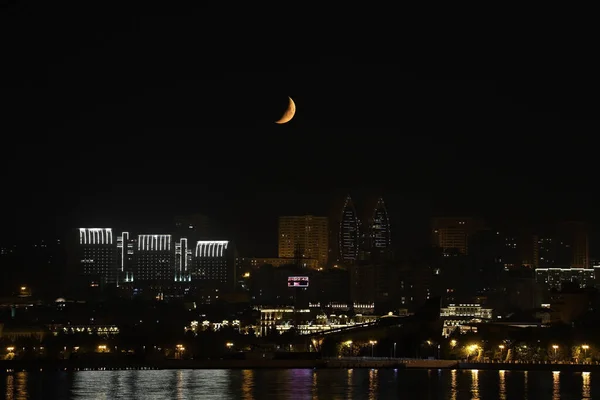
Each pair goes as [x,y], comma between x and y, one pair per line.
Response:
[184,252]
[181,253]
[211,248]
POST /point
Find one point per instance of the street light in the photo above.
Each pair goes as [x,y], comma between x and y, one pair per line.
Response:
[229,345]
[555,347]
[394,349]
[585,348]
[372,342]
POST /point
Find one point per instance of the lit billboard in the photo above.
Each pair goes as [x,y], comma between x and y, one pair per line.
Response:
[298,281]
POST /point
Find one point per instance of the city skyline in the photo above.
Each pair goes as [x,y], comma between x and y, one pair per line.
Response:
[186,205]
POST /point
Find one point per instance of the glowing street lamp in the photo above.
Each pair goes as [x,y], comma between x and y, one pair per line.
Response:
[453,343]
[585,348]
[373,343]
[229,345]
[555,347]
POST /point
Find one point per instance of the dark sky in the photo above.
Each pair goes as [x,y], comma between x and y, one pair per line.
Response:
[128,120]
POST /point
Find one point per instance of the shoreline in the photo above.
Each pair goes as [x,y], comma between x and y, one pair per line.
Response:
[528,367]
[83,365]
[171,364]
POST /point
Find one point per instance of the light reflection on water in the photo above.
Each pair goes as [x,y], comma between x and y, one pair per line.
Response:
[298,384]
[453,385]
[556,385]
[585,386]
[502,385]
[474,384]
[247,384]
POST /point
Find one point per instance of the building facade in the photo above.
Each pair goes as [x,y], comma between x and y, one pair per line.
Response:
[304,237]
[214,264]
[154,258]
[97,254]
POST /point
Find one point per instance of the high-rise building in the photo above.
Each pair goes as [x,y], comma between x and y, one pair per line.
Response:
[154,258]
[574,236]
[214,263]
[452,233]
[349,233]
[380,232]
[183,261]
[125,256]
[97,254]
[303,237]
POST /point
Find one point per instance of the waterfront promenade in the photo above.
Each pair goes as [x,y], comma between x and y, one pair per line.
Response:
[264,363]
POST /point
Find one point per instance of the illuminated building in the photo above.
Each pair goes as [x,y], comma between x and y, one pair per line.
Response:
[304,237]
[97,254]
[555,277]
[452,234]
[214,263]
[183,261]
[380,231]
[125,256]
[461,315]
[154,258]
[349,233]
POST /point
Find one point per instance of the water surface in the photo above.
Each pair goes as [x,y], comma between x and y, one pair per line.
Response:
[300,384]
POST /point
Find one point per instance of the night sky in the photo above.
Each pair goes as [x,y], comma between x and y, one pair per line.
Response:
[128,121]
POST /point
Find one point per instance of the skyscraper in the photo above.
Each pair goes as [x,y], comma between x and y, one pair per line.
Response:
[304,237]
[97,254]
[380,231]
[349,233]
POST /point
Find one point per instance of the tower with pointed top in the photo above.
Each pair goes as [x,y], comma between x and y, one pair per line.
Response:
[349,233]
[379,229]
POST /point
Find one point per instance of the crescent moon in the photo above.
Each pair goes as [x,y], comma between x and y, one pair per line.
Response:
[289,113]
